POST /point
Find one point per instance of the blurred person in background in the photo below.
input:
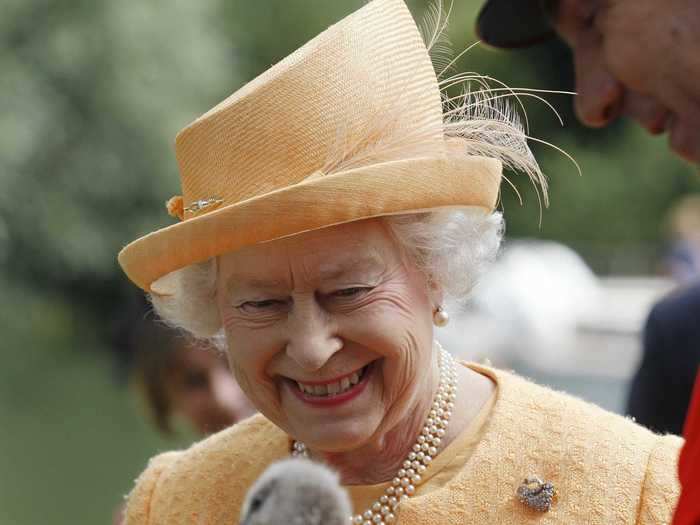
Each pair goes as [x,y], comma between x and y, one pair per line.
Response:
[639,59]
[682,260]
[178,378]
[662,388]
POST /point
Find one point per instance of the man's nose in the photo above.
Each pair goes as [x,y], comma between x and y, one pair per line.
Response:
[312,339]
[600,94]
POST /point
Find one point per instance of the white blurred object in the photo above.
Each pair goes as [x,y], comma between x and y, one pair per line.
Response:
[539,289]
[296,492]
[536,291]
[541,305]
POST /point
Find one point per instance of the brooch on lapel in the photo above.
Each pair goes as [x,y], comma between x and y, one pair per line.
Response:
[537,494]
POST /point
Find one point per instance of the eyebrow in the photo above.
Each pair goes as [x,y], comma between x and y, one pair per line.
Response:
[330,272]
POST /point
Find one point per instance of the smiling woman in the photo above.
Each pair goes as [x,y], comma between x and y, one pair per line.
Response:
[319,254]
[347,302]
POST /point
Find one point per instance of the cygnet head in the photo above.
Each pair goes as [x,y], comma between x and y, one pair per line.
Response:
[296,492]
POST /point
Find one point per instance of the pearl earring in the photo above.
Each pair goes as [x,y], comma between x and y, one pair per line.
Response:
[440,317]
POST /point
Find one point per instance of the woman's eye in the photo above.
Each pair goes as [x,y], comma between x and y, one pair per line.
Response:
[267,304]
[351,292]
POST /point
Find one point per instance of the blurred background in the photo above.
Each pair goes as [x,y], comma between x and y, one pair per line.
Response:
[92,94]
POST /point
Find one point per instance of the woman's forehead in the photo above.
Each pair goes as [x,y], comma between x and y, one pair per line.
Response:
[328,253]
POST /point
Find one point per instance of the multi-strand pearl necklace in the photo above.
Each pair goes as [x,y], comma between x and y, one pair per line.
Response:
[426,447]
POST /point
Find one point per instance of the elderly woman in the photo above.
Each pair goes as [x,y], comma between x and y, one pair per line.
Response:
[330,207]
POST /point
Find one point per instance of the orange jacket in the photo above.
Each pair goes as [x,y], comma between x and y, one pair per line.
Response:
[607,469]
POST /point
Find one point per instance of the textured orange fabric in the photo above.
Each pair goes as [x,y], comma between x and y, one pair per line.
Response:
[444,467]
[607,469]
[348,127]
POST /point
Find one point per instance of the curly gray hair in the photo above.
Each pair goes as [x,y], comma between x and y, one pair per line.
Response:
[451,246]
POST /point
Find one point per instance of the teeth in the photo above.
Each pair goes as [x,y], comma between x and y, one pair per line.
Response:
[332,389]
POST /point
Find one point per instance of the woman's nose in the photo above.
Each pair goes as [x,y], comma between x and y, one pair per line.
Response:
[600,94]
[312,339]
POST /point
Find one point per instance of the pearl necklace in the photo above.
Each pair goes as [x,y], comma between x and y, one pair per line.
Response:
[381,512]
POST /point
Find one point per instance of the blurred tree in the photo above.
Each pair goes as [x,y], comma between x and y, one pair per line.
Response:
[93,93]
[91,96]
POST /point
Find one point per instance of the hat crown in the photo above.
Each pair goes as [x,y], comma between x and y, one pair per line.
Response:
[349,127]
[366,80]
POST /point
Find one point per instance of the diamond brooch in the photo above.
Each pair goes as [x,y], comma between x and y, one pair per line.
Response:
[537,494]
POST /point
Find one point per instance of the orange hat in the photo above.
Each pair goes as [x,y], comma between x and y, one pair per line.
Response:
[348,127]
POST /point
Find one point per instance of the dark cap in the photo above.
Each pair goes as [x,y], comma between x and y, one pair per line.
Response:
[513,23]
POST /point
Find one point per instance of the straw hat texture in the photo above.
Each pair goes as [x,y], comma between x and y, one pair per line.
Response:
[350,126]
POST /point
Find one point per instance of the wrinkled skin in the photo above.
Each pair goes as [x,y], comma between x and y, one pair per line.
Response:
[323,304]
[640,59]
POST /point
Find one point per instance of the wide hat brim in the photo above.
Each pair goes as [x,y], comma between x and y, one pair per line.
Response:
[396,187]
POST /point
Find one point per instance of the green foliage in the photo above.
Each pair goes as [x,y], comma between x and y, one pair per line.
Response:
[91,96]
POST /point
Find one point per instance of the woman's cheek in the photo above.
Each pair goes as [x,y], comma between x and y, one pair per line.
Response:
[239,373]
[249,355]
[393,334]
[261,391]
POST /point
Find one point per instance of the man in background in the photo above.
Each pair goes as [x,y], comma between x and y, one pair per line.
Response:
[632,58]
[661,390]
[638,59]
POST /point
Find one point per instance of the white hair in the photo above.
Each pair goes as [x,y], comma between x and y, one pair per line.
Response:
[451,246]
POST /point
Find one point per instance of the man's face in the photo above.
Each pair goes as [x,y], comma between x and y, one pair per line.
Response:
[637,58]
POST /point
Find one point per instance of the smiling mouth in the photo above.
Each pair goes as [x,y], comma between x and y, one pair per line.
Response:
[334,388]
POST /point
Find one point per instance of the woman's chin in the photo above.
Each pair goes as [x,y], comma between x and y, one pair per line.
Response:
[337,438]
